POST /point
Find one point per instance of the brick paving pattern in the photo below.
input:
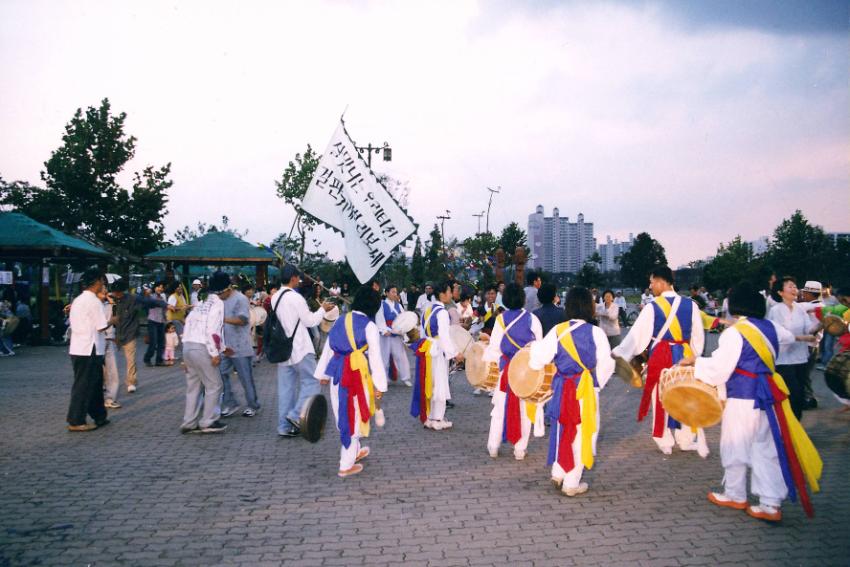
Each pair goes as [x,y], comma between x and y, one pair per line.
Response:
[139,493]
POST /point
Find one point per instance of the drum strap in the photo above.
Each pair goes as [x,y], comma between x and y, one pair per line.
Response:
[501,321]
[800,453]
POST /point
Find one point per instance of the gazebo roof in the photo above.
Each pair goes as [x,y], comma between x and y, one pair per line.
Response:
[21,236]
[214,248]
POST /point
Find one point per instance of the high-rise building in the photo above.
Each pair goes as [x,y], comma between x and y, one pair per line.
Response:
[613,249]
[558,245]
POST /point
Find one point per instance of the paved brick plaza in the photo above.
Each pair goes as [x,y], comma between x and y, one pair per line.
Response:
[140,493]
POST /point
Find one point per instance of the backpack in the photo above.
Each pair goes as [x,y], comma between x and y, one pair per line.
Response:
[276,345]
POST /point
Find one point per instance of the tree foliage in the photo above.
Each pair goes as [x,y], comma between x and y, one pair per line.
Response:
[417,264]
[82,194]
[188,233]
[635,265]
[590,275]
[435,258]
[293,186]
[734,262]
[800,249]
[510,239]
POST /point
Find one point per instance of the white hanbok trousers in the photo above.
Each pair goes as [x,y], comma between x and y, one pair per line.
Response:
[393,346]
[746,441]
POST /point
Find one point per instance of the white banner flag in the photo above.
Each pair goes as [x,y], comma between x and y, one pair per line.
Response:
[345,195]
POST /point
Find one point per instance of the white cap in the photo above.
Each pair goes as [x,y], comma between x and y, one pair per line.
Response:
[197,282]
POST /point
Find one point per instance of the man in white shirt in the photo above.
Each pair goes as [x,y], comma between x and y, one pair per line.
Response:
[203,345]
[424,300]
[295,381]
[88,344]
[193,297]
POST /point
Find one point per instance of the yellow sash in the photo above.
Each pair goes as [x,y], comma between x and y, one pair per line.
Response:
[807,454]
[360,363]
[587,396]
[675,327]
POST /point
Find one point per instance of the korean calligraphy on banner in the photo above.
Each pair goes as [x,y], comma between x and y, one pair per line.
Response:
[345,195]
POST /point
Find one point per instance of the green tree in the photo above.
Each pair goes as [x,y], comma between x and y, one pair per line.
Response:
[417,264]
[800,249]
[435,259]
[82,194]
[293,186]
[635,265]
[589,275]
[511,238]
[733,262]
[481,246]
[188,233]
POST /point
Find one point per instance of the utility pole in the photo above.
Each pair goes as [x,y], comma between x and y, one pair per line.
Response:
[388,152]
[443,219]
[490,202]
[478,216]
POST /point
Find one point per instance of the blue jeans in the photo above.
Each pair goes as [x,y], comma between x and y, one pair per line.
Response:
[827,348]
[156,342]
[242,365]
[295,383]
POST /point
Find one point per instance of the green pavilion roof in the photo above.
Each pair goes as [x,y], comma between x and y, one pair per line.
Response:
[22,236]
[214,247]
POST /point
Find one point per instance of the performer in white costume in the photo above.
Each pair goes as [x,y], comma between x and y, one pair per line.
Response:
[392,345]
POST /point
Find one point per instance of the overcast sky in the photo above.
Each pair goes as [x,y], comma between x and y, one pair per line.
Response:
[694,121]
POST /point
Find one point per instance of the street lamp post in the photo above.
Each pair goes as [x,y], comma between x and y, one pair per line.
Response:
[443,219]
[490,202]
[386,149]
[478,216]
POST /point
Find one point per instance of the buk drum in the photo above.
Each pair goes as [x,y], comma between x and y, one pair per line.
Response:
[530,385]
[837,374]
[257,316]
[833,325]
[689,400]
[479,373]
[461,338]
[407,324]
[329,319]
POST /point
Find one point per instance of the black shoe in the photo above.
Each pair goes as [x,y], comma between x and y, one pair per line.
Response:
[449,404]
[811,403]
[161,364]
[214,427]
[102,423]
[296,427]
[189,429]
[290,433]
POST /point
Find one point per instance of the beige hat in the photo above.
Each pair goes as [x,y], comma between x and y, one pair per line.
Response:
[813,287]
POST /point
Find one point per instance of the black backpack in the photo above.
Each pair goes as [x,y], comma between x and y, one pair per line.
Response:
[276,345]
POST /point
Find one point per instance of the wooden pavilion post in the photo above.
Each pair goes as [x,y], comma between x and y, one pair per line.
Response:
[262,276]
[43,302]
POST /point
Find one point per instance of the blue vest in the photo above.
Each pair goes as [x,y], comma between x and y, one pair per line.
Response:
[338,341]
[435,327]
[586,348]
[739,385]
[684,314]
[520,332]
[390,313]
